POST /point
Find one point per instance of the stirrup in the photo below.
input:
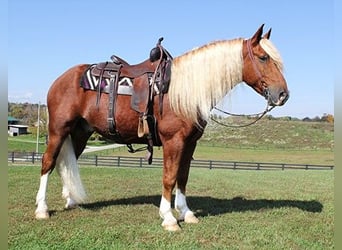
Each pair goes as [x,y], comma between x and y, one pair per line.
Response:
[143,126]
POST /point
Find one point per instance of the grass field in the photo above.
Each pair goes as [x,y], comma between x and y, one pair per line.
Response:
[237,210]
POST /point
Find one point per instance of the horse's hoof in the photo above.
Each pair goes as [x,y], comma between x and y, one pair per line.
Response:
[191,218]
[71,206]
[42,215]
[172,228]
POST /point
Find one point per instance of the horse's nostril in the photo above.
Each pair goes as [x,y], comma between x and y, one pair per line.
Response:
[283,96]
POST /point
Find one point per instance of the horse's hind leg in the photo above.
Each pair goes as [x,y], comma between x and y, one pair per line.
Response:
[42,209]
[182,178]
[59,140]
[48,164]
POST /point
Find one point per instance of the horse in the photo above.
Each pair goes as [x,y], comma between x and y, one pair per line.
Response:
[199,79]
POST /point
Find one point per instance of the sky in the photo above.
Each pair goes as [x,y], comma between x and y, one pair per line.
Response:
[45,38]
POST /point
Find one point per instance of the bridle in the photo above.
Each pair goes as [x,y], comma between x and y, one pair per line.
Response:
[266,94]
[265,90]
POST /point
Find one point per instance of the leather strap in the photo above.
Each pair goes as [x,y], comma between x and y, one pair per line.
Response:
[251,56]
[113,90]
[99,86]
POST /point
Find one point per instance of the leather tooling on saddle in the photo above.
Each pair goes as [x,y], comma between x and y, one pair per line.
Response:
[117,77]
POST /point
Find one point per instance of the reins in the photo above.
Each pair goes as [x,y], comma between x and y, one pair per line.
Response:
[258,117]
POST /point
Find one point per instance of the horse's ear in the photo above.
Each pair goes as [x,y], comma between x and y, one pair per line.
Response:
[257,36]
[268,34]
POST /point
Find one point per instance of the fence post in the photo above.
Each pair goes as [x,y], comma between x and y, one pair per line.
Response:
[118,161]
[258,166]
[12,157]
[234,165]
[33,157]
[96,161]
[140,162]
[210,164]
[282,166]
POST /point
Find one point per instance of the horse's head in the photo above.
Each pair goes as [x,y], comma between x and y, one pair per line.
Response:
[262,69]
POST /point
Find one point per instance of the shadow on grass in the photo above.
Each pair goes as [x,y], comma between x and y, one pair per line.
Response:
[205,206]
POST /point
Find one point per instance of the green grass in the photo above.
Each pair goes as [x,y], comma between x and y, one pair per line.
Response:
[324,157]
[237,210]
[271,134]
[25,143]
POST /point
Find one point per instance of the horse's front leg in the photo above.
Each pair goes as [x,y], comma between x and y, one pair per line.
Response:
[172,153]
[182,178]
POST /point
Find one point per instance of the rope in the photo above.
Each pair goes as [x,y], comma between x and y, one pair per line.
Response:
[259,116]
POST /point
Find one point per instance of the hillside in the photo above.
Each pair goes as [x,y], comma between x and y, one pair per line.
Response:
[266,133]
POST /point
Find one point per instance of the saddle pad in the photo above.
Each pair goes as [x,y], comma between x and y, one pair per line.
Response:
[90,82]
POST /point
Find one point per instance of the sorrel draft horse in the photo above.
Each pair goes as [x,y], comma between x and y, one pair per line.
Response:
[199,79]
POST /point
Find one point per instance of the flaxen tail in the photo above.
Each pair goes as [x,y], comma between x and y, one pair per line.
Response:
[68,169]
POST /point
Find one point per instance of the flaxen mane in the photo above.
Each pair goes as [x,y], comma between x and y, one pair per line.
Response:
[202,77]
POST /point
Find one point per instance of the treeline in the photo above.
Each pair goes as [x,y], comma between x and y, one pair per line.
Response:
[324,118]
[27,113]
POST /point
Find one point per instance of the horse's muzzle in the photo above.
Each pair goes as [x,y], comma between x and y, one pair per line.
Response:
[276,98]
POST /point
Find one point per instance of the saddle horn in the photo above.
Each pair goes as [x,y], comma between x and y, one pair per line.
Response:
[160,40]
[155,53]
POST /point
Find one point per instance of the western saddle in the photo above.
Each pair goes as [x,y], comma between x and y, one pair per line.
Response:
[158,72]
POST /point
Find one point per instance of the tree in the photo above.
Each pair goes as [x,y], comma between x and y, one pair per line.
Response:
[327,118]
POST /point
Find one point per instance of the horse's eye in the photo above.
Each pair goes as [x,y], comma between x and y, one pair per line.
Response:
[263,58]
